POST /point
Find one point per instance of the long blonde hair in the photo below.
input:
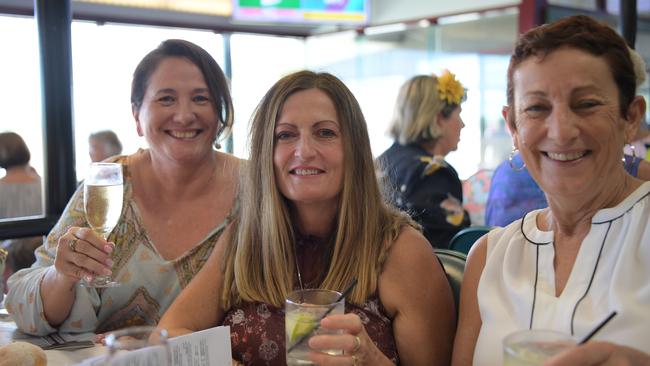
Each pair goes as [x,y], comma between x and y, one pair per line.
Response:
[260,258]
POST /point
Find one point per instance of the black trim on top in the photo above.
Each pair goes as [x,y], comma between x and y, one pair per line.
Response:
[593,274]
[532,311]
[521,229]
[626,211]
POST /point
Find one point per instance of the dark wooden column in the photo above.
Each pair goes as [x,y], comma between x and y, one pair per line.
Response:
[629,19]
[54,20]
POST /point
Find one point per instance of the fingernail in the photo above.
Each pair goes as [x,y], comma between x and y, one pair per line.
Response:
[88,278]
[108,248]
[107,271]
[109,262]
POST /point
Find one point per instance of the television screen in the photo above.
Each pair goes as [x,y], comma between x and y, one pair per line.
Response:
[302,11]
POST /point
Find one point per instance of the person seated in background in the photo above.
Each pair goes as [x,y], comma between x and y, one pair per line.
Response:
[426,126]
[20,195]
[178,197]
[572,106]
[19,255]
[513,192]
[20,188]
[312,216]
[103,145]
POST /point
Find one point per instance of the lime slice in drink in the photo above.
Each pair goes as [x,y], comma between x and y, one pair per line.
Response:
[299,324]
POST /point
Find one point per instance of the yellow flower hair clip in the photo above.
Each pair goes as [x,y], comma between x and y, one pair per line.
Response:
[451,91]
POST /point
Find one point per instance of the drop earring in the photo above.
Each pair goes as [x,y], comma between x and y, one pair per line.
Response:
[511,158]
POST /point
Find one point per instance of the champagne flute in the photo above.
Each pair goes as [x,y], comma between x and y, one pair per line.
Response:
[103,191]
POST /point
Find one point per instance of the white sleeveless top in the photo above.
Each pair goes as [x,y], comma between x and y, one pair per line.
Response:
[611,272]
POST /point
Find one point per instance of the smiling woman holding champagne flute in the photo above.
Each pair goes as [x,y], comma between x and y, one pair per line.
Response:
[313,218]
[572,105]
[130,234]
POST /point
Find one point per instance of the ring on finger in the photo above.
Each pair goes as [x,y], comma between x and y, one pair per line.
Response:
[357,344]
[73,244]
[355,360]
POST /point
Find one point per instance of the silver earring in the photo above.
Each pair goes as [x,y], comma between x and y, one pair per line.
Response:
[511,158]
[220,129]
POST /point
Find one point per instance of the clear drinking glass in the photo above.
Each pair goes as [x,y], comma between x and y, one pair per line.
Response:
[142,345]
[303,311]
[533,347]
[103,192]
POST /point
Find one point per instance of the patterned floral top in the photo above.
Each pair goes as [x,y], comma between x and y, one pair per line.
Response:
[426,187]
[257,331]
[149,283]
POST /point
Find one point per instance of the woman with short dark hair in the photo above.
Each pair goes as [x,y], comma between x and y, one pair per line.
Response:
[572,105]
[178,196]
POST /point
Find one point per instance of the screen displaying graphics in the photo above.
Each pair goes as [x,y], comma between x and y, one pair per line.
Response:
[302,11]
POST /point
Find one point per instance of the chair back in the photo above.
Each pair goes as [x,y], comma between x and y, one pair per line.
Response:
[454,264]
[464,239]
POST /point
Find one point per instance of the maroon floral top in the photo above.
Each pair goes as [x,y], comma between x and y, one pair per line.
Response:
[257,331]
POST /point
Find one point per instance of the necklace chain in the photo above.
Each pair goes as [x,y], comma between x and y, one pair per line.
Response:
[302,288]
[295,257]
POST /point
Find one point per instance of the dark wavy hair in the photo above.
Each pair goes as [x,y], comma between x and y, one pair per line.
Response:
[217,82]
[13,150]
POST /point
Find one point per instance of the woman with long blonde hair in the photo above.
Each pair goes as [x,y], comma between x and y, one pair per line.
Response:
[312,216]
[426,126]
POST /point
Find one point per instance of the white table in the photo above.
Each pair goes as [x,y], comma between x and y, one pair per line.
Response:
[63,358]
[54,357]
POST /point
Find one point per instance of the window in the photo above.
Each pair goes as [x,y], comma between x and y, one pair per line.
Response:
[103,60]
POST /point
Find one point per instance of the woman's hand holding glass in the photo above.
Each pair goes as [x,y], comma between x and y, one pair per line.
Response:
[103,196]
[82,254]
[358,348]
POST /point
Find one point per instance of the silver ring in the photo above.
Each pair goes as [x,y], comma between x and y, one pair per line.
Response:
[73,244]
[357,345]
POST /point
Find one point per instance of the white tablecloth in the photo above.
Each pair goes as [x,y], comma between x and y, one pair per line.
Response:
[54,357]
[63,358]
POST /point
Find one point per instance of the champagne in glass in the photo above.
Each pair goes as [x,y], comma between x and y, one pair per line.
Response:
[103,192]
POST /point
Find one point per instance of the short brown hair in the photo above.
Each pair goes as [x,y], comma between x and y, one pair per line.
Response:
[583,33]
[13,150]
